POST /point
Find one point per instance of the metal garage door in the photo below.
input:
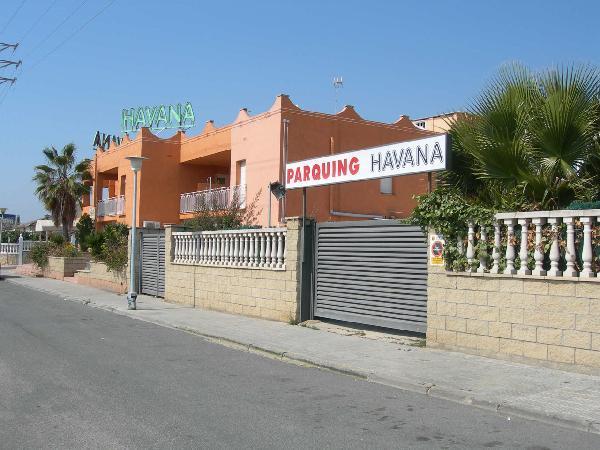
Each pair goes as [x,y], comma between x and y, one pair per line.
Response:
[372,272]
[152,267]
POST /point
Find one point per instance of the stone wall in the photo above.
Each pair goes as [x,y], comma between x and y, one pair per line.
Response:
[8,259]
[269,294]
[97,275]
[548,321]
[59,268]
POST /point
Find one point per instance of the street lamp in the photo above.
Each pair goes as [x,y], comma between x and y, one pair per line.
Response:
[2,211]
[278,190]
[136,165]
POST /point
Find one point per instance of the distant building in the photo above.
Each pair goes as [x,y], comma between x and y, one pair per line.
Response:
[440,123]
[10,221]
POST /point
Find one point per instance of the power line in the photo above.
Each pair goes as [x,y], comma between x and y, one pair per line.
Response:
[57,28]
[64,41]
[13,16]
[39,19]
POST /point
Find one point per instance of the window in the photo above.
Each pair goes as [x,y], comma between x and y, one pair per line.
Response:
[385,185]
[420,124]
[241,181]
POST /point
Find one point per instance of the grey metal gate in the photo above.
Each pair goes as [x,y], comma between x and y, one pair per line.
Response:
[371,272]
[152,264]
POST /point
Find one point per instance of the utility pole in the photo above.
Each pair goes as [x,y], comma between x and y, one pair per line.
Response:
[4,63]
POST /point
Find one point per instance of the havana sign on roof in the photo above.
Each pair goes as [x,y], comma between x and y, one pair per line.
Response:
[158,118]
[401,158]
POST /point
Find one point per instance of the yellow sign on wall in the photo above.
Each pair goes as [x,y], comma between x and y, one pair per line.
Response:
[436,250]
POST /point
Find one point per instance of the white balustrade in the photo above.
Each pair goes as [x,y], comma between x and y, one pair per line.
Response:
[523,252]
[510,248]
[114,206]
[470,247]
[259,248]
[586,255]
[554,249]
[496,251]
[538,253]
[483,254]
[9,249]
[212,199]
[570,254]
[581,226]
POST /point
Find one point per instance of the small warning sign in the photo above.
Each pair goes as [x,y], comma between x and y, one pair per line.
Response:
[436,250]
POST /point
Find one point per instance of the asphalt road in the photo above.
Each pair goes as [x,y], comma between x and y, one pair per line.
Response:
[72,376]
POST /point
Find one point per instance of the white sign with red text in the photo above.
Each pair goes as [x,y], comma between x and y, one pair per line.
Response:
[401,158]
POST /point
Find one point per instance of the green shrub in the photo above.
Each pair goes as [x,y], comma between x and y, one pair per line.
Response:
[114,246]
[577,204]
[40,253]
[83,229]
[64,251]
[94,244]
[42,250]
[57,239]
[110,246]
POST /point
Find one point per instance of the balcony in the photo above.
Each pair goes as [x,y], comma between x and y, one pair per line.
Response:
[212,199]
[111,207]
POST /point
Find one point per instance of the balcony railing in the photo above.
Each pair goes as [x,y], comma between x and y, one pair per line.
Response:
[111,207]
[212,199]
[540,243]
[9,249]
[257,248]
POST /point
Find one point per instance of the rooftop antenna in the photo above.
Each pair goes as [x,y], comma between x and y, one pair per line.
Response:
[338,82]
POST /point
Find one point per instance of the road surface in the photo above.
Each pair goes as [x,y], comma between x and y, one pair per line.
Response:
[74,376]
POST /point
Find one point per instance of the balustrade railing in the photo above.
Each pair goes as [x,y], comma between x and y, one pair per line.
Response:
[563,243]
[114,206]
[9,249]
[259,248]
[212,199]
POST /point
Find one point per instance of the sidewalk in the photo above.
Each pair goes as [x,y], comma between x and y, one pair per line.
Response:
[553,396]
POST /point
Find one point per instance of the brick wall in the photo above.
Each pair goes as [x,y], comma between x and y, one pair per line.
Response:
[269,294]
[59,268]
[97,275]
[538,320]
[8,260]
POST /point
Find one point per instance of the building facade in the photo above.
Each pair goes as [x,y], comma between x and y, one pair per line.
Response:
[240,159]
[440,123]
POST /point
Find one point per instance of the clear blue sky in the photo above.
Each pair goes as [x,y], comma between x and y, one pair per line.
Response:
[396,57]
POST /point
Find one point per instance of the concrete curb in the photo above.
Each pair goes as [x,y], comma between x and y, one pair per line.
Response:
[434,391]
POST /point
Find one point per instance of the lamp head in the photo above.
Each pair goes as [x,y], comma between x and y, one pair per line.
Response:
[136,162]
[277,189]
[2,211]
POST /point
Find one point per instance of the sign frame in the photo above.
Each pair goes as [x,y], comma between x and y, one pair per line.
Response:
[423,155]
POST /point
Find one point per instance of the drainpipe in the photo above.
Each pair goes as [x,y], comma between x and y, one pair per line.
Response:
[286,123]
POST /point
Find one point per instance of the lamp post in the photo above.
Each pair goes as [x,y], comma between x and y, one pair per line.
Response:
[2,211]
[136,165]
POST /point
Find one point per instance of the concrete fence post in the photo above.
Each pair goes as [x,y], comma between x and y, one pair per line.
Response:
[20,251]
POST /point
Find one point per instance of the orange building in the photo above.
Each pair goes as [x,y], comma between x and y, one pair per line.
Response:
[244,157]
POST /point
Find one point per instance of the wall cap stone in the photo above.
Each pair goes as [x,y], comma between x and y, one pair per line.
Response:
[517,276]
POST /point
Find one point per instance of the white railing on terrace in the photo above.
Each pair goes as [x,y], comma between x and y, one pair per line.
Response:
[212,199]
[574,248]
[260,248]
[9,249]
[114,206]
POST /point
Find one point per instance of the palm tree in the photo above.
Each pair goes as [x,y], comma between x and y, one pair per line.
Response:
[531,139]
[60,185]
